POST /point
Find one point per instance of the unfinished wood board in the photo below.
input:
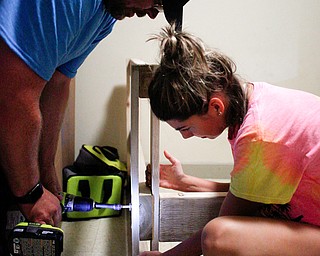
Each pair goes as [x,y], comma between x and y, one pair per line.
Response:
[181,213]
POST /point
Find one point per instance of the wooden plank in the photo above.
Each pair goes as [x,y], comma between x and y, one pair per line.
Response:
[146,72]
[134,158]
[155,132]
[181,213]
[145,75]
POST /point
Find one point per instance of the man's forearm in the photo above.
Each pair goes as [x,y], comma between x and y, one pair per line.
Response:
[19,138]
[53,104]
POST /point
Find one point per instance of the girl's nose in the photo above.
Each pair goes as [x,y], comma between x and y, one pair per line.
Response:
[186,134]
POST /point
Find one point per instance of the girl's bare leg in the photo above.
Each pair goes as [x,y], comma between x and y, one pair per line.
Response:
[259,236]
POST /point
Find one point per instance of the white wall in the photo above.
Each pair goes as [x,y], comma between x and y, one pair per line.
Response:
[275,41]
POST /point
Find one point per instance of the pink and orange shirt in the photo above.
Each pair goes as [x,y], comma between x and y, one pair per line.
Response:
[277,153]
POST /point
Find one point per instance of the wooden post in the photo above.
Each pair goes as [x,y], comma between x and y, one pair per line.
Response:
[155,130]
[134,158]
[138,77]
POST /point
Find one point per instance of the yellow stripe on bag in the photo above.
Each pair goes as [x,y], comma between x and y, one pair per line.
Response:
[98,153]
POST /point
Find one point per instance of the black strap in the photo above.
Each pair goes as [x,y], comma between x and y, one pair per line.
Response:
[84,188]
[32,196]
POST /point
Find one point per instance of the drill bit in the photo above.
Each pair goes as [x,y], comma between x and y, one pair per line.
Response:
[116,207]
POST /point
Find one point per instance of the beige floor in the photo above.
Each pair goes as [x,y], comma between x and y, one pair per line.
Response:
[100,237]
[105,236]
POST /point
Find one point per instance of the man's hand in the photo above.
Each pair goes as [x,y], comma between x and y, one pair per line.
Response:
[50,181]
[46,210]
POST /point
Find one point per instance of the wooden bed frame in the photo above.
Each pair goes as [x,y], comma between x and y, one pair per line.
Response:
[158,215]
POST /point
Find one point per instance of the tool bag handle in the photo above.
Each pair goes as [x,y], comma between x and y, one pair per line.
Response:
[97,160]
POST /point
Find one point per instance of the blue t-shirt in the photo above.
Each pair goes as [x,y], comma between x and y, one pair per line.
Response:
[54,34]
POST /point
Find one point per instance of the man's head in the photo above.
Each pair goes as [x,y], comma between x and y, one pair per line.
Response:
[120,9]
[173,9]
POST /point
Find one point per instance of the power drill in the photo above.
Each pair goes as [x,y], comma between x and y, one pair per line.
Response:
[28,239]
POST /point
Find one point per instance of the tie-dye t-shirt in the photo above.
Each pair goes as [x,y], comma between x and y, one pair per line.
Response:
[276,153]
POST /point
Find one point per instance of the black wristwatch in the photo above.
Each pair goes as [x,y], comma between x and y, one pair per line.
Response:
[32,196]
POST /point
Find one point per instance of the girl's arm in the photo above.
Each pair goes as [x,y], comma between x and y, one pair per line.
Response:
[173,177]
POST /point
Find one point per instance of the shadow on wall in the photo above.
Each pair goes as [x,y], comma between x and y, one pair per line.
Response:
[113,132]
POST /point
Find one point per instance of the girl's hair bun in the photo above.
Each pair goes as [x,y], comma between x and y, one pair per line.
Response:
[180,50]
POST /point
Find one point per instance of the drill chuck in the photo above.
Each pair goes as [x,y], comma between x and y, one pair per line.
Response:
[72,203]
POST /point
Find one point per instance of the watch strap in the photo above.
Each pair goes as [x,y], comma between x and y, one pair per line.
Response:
[32,196]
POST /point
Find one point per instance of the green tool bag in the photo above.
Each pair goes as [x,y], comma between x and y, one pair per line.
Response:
[98,174]
[99,160]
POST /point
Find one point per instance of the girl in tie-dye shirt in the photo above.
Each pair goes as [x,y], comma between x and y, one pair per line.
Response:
[277,153]
[273,202]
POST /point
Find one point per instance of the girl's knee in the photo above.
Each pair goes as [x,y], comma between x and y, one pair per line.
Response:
[214,239]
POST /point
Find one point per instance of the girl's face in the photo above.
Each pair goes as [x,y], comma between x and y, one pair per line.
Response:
[200,126]
[209,125]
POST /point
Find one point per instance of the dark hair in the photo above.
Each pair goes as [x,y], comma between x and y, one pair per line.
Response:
[188,75]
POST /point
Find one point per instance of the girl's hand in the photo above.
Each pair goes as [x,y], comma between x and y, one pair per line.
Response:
[172,175]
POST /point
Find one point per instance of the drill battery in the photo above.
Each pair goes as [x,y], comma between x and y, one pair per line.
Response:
[28,239]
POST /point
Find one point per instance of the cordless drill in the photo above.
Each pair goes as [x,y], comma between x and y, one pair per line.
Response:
[29,238]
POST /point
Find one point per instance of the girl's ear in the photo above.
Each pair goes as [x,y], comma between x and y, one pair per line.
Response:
[216,107]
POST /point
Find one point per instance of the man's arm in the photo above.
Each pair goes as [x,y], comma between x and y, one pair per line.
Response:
[53,103]
[21,121]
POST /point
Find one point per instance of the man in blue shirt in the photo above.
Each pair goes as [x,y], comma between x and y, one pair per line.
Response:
[42,44]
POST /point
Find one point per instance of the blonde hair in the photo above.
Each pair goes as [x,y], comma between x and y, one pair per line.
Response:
[189,73]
